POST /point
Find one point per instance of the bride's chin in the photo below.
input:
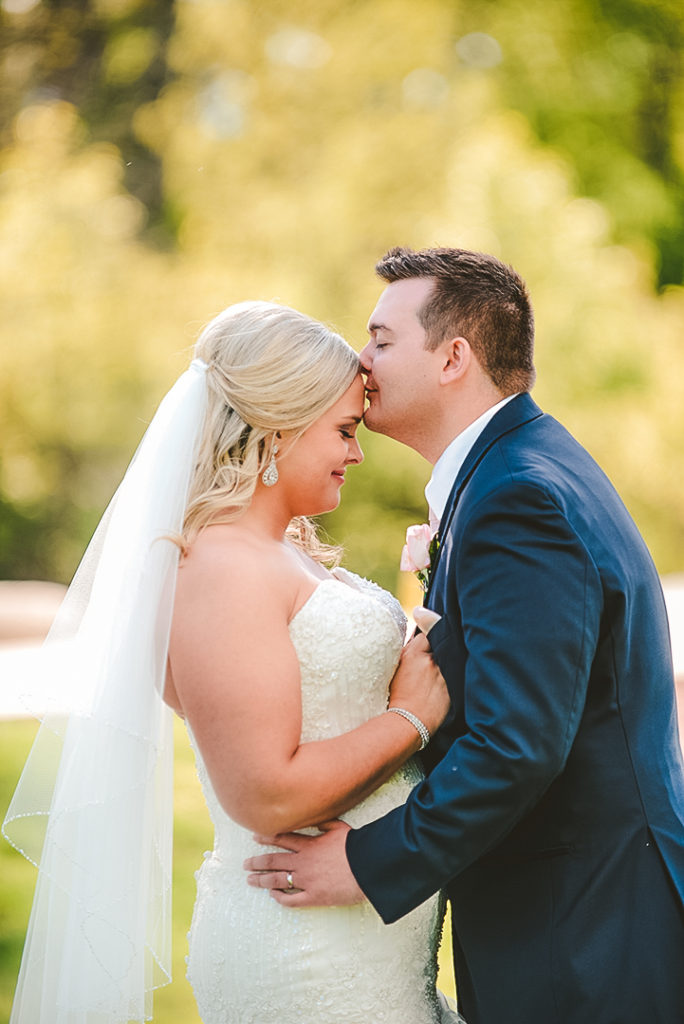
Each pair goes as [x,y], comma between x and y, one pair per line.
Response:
[320,508]
[329,506]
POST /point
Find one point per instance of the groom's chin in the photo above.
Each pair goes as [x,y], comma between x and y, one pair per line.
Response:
[377,426]
[371,421]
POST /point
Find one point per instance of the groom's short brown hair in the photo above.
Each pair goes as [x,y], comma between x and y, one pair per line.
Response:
[476,297]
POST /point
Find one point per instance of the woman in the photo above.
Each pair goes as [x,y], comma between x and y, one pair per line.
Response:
[281,670]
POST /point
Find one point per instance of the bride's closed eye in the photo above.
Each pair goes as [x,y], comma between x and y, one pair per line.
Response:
[348,428]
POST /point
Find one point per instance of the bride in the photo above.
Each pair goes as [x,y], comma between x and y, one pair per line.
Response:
[205,590]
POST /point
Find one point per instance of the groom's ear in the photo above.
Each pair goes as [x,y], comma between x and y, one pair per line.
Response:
[457,357]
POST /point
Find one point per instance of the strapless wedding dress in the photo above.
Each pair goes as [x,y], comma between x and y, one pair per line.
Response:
[253,961]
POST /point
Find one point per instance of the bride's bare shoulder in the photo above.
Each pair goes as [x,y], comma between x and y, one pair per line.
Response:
[229,557]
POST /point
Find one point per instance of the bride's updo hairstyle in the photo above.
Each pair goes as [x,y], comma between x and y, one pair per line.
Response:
[270,368]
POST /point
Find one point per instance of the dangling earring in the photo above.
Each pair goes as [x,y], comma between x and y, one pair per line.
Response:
[270,474]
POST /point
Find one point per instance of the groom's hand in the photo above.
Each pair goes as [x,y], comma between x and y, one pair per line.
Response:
[314,872]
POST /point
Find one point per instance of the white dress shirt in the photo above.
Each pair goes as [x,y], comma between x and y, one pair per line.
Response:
[448,465]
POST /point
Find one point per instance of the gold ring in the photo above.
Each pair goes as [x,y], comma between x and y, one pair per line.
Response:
[290,883]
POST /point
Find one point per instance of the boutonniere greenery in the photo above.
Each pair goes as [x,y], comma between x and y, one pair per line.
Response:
[419,551]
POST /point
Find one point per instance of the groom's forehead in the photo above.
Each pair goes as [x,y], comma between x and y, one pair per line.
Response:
[400,299]
[376,323]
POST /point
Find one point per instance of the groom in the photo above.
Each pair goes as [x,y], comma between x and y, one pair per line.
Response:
[553,808]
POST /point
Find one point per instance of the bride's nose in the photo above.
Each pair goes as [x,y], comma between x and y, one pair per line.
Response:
[355,455]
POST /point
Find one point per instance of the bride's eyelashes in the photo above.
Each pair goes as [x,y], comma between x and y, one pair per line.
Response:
[348,430]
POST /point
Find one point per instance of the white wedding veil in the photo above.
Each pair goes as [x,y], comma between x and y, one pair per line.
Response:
[93,808]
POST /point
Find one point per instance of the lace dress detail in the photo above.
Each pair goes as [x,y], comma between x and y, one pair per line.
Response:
[253,961]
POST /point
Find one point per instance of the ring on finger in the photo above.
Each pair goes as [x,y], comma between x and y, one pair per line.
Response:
[290,881]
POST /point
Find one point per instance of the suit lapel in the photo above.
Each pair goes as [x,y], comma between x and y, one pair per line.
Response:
[522,409]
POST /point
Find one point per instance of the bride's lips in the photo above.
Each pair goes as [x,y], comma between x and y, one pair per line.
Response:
[339,476]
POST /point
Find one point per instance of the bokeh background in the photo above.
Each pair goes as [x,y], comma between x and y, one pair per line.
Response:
[160,159]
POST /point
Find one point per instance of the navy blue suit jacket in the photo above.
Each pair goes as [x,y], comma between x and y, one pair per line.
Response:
[553,807]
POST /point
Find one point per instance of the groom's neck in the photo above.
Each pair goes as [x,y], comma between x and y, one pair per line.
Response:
[451,418]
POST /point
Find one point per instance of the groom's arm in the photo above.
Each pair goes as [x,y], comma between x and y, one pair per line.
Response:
[529,601]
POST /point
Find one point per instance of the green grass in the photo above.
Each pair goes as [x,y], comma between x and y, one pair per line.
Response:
[173,1004]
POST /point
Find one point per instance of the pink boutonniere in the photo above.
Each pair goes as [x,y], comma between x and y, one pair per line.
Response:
[419,551]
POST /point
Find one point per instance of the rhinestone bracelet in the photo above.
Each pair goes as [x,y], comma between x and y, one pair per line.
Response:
[416,723]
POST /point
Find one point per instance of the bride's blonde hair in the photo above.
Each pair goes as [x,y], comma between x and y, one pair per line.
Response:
[270,369]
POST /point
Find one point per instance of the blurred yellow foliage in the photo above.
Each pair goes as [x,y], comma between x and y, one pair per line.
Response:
[296,144]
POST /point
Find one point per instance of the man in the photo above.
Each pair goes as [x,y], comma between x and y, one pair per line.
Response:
[553,808]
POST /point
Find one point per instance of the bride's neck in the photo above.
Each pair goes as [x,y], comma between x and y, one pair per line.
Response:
[266,515]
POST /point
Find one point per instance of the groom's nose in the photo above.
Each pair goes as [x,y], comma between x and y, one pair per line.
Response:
[365,357]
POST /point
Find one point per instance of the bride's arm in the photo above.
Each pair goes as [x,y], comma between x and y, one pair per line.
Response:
[237,681]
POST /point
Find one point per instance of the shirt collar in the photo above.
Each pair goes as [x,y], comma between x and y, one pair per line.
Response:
[448,465]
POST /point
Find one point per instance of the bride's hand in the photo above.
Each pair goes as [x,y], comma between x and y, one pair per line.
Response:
[418,685]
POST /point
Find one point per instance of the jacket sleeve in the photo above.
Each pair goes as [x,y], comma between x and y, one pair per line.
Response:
[523,608]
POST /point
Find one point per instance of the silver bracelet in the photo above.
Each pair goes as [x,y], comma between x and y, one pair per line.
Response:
[421,729]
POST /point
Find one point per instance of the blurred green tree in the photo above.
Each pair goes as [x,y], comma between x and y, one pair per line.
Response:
[601,81]
[105,57]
